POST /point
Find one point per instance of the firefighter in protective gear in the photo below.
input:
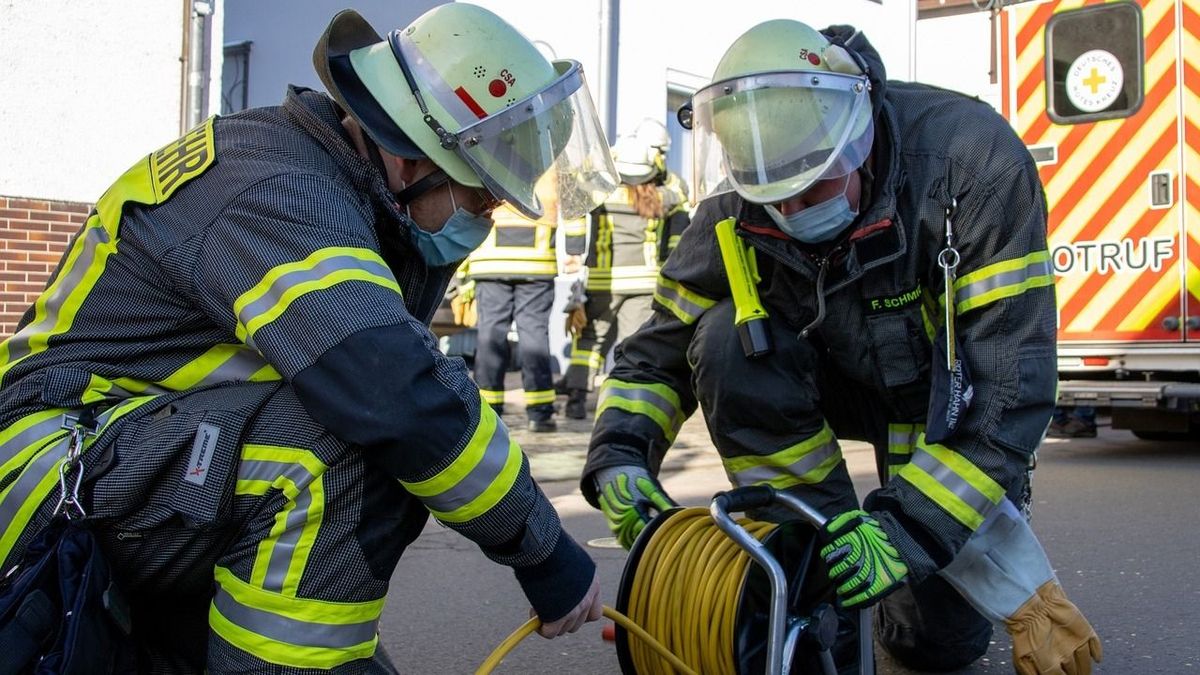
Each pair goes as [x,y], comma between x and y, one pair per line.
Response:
[630,236]
[898,235]
[245,314]
[513,276]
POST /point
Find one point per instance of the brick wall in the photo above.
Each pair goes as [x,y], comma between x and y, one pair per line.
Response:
[33,235]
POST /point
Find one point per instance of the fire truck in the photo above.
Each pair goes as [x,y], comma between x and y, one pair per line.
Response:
[1106,96]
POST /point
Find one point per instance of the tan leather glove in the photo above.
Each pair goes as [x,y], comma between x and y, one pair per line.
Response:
[575,322]
[1051,636]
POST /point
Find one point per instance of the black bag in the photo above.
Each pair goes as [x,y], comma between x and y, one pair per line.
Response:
[60,611]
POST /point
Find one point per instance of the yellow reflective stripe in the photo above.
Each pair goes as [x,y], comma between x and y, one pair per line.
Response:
[685,304]
[806,462]
[286,283]
[221,363]
[952,482]
[492,396]
[1001,280]
[656,401]
[298,474]
[295,632]
[591,359]
[539,397]
[902,439]
[515,267]
[475,481]
[40,458]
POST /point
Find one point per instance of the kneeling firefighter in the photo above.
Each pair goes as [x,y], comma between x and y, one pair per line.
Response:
[240,336]
[868,262]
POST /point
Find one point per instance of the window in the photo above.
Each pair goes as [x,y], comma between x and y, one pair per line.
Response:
[1094,63]
[679,159]
[235,78]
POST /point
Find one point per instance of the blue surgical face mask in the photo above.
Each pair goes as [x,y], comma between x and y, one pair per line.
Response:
[817,223]
[462,233]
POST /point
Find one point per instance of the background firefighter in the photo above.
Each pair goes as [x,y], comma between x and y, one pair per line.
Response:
[628,238]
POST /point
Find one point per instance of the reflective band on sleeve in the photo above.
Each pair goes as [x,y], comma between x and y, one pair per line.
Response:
[1001,280]
[591,359]
[292,632]
[686,305]
[284,284]
[656,401]
[804,463]
[298,474]
[902,438]
[953,483]
[482,474]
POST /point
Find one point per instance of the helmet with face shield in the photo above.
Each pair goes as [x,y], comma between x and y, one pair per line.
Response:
[786,108]
[465,89]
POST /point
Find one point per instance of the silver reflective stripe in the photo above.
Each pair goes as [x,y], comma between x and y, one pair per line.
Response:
[686,306]
[285,545]
[901,437]
[952,482]
[479,479]
[799,468]
[293,631]
[65,285]
[1011,278]
[239,367]
[328,266]
[644,395]
[36,471]
[22,441]
[19,492]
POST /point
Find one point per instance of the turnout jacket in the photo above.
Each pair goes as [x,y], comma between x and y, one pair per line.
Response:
[874,298]
[624,251]
[260,247]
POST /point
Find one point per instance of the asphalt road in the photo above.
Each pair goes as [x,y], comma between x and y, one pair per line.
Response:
[1115,514]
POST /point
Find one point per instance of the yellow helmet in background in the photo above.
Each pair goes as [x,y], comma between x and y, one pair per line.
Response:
[786,109]
[465,89]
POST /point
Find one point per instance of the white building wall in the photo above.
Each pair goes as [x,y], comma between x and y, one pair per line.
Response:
[86,87]
[954,52]
[284,33]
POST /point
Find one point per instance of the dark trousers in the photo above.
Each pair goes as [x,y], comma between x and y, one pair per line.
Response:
[612,317]
[499,303]
[762,406]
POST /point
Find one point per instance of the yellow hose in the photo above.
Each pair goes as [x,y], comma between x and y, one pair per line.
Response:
[502,650]
[684,595]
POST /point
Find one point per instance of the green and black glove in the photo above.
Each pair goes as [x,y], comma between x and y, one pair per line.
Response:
[627,494]
[862,562]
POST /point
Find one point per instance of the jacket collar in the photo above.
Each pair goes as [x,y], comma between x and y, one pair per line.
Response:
[319,117]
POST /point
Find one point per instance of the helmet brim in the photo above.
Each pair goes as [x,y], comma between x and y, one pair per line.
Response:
[348,31]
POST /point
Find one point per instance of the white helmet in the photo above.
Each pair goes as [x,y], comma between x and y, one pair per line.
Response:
[467,90]
[634,159]
[654,134]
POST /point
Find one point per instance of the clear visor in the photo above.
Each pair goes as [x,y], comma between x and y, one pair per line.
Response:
[770,136]
[556,129]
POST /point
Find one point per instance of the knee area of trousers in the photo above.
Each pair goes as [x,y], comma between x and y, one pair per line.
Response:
[939,644]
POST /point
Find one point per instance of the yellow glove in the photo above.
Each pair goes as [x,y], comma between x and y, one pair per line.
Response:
[462,306]
[1050,635]
[576,320]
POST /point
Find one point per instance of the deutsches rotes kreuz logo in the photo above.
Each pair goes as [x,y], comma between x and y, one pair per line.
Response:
[1094,80]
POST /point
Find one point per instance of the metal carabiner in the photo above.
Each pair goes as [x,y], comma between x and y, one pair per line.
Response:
[68,494]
